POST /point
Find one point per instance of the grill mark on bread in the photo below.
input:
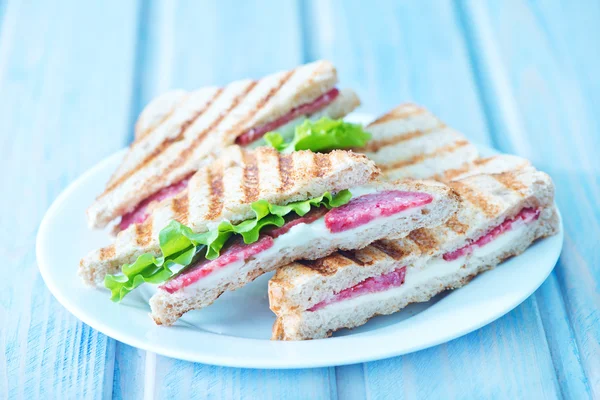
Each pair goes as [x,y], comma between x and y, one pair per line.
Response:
[377,145]
[143,233]
[474,197]
[322,164]
[261,103]
[107,252]
[286,172]
[352,256]
[251,179]
[320,266]
[456,226]
[483,161]
[215,204]
[185,154]
[179,206]
[390,249]
[452,173]
[510,181]
[424,240]
[401,112]
[422,157]
[141,135]
[165,144]
[188,151]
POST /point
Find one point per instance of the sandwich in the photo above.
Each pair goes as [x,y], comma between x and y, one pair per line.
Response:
[180,131]
[500,215]
[226,189]
[410,142]
[252,211]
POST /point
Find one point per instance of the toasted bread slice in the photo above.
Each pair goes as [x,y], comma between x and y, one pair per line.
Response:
[225,190]
[487,201]
[311,240]
[180,131]
[411,142]
[489,165]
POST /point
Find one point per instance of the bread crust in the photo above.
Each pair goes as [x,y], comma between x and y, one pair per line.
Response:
[179,130]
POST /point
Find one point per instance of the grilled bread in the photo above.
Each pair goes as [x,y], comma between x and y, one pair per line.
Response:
[411,142]
[311,240]
[225,190]
[180,131]
[487,201]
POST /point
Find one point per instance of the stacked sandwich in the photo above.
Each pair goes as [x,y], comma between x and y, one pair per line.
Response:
[223,185]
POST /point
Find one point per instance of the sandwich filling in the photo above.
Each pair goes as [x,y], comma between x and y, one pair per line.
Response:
[236,253]
[335,224]
[181,247]
[319,103]
[373,284]
[141,212]
[495,240]
[366,208]
[526,215]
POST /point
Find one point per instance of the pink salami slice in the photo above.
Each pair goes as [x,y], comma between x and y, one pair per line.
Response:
[526,215]
[370,285]
[308,218]
[237,252]
[364,209]
[141,211]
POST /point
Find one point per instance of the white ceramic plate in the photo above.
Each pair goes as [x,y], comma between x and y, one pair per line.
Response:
[235,330]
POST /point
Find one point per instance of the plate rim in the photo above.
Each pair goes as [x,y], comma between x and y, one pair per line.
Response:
[376,353]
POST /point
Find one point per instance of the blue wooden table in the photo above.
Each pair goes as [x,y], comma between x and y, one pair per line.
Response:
[521,76]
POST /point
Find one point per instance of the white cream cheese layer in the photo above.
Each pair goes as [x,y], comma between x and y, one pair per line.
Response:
[413,279]
[212,280]
[503,241]
[436,269]
[301,235]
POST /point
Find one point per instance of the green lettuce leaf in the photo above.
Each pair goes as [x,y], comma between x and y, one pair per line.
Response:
[180,246]
[321,136]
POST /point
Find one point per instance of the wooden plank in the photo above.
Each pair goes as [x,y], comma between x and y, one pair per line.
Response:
[65,82]
[129,373]
[394,53]
[412,51]
[2,8]
[189,45]
[549,100]
[466,366]
[180,379]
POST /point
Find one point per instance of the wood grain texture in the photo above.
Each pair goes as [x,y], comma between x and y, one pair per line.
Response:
[519,75]
[463,367]
[180,379]
[129,373]
[543,101]
[65,84]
